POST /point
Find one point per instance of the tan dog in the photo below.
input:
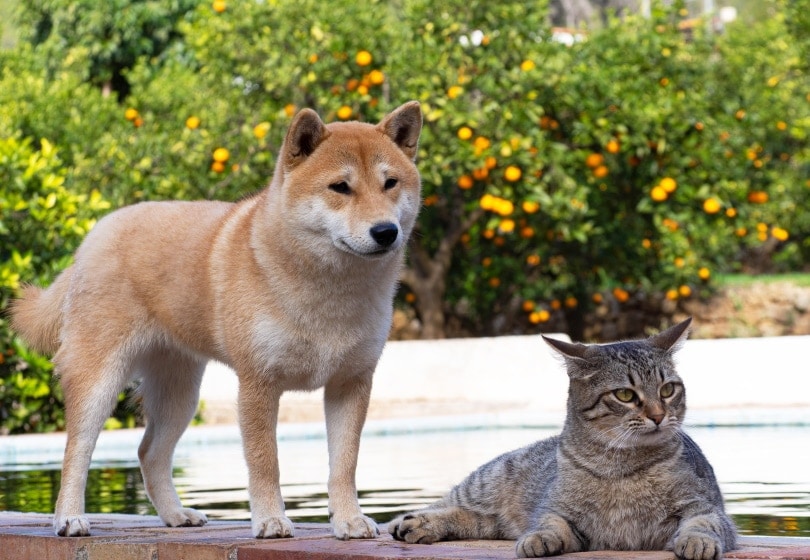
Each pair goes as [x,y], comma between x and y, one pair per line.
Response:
[293,288]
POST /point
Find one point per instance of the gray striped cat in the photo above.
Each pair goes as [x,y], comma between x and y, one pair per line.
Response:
[622,475]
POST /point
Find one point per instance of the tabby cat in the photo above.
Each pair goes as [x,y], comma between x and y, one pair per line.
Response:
[622,475]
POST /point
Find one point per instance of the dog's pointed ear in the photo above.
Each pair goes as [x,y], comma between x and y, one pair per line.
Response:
[305,133]
[403,125]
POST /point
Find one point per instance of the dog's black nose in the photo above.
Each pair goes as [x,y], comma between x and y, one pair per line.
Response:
[385,233]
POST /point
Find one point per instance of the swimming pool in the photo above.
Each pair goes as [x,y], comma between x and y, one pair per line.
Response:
[764,472]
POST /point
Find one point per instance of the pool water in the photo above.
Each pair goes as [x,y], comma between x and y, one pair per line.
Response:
[764,473]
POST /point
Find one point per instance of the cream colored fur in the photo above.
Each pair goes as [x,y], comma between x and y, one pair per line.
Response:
[293,288]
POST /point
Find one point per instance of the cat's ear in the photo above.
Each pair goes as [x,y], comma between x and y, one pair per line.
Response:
[577,356]
[673,338]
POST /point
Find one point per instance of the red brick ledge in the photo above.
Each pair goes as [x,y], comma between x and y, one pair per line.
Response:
[28,536]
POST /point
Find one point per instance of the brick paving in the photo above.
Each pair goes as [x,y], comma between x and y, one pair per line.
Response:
[28,536]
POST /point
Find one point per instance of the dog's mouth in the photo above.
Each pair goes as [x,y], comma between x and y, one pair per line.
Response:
[373,254]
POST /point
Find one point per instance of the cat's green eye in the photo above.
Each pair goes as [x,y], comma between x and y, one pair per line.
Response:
[667,389]
[624,395]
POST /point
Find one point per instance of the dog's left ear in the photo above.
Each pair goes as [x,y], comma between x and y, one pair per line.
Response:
[305,133]
[403,125]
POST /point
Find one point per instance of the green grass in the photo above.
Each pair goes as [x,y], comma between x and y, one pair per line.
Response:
[798,278]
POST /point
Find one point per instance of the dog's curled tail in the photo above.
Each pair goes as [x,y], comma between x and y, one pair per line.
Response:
[37,314]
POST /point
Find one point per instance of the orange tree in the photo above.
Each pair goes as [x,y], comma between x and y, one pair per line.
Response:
[554,177]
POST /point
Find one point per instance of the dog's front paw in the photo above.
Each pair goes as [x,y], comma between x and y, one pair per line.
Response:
[538,544]
[414,528]
[273,528]
[71,526]
[185,517]
[356,527]
[698,546]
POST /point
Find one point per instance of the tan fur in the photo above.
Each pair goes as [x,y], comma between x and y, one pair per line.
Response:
[293,288]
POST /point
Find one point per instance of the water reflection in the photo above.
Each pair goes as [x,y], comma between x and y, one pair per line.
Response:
[763,474]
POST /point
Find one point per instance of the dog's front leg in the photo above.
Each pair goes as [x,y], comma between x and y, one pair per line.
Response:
[258,415]
[346,404]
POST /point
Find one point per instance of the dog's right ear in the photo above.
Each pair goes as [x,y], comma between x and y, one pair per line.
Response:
[305,133]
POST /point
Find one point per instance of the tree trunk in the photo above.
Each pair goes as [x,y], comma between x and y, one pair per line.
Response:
[426,275]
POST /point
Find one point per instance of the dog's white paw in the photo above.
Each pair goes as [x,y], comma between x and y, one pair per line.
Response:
[71,526]
[273,528]
[357,527]
[185,517]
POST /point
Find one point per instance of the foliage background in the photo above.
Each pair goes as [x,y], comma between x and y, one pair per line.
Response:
[627,169]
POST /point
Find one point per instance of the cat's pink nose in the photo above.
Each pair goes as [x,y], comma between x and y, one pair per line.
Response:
[657,418]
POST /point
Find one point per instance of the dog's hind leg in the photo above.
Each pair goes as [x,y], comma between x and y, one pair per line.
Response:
[170,392]
[91,380]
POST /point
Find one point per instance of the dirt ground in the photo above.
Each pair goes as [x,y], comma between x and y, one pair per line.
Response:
[760,309]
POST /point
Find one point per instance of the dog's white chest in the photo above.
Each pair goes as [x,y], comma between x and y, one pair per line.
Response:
[301,361]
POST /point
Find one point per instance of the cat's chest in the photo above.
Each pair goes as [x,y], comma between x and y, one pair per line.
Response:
[637,511]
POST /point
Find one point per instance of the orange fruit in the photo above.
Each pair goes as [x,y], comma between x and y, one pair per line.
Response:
[217,166]
[289,109]
[621,294]
[131,114]
[465,133]
[530,206]
[601,171]
[594,160]
[261,130]
[704,273]
[193,122]
[219,6]
[672,294]
[540,316]
[221,155]
[684,291]
[571,302]
[533,260]
[344,113]
[363,58]
[454,91]
[711,206]
[465,182]
[480,173]
[506,226]
[613,146]
[780,234]
[668,184]
[376,77]
[482,143]
[658,193]
[527,65]
[512,173]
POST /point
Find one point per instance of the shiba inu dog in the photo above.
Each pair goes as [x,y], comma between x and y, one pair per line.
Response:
[293,288]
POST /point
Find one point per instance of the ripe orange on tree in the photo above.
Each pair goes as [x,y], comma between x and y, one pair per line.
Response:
[221,155]
[512,173]
[363,58]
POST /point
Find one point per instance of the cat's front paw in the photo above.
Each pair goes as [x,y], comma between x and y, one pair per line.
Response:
[414,528]
[540,543]
[698,546]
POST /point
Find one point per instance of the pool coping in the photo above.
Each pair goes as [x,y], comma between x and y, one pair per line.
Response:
[28,536]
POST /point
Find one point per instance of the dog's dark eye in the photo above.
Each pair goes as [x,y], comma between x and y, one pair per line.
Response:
[390,183]
[341,187]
